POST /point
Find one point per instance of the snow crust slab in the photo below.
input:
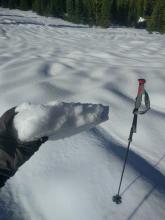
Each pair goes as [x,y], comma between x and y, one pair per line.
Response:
[57,120]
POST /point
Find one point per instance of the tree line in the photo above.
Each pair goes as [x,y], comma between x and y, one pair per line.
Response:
[98,12]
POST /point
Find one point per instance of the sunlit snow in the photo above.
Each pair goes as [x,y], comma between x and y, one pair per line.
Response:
[141,19]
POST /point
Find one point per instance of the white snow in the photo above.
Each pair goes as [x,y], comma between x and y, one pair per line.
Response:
[45,59]
[141,19]
[57,120]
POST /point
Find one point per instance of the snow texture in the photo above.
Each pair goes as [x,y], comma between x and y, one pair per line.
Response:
[57,120]
[46,59]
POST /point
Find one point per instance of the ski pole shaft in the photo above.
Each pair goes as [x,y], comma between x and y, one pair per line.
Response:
[128,147]
[125,161]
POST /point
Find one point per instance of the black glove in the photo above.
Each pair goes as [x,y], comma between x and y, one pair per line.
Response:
[9,136]
[13,152]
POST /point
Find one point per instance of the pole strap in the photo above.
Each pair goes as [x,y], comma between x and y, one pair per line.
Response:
[141,92]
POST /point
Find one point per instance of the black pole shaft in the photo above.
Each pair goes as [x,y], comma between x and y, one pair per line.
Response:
[125,161]
[133,129]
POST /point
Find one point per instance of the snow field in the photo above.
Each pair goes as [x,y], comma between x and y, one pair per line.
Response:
[46,59]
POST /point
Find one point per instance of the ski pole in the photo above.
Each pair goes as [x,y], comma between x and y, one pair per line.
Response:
[141,91]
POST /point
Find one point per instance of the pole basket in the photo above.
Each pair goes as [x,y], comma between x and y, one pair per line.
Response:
[117,199]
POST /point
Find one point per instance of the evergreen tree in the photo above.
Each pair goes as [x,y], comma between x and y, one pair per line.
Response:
[98,11]
[55,8]
[79,11]
[140,8]
[132,13]
[24,5]
[17,3]
[105,20]
[123,6]
[149,6]
[114,10]
[37,6]
[157,21]
[5,3]
[89,11]
[11,4]
[45,7]
[70,9]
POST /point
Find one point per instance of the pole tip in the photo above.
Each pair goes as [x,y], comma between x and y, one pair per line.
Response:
[141,81]
[117,199]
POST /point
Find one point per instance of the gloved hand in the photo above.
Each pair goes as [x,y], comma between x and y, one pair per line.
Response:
[13,152]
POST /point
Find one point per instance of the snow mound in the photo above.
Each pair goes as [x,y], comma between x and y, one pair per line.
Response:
[57,120]
[141,20]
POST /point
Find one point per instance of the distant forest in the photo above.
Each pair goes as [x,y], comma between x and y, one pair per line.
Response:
[98,12]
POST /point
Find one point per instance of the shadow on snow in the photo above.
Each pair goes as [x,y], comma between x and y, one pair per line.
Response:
[9,210]
[144,168]
[14,22]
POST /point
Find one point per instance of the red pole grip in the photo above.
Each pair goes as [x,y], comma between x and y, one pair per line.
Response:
[141,86]
[141,81]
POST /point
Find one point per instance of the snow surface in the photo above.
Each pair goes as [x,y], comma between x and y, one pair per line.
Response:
[57,120]
[45,59]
